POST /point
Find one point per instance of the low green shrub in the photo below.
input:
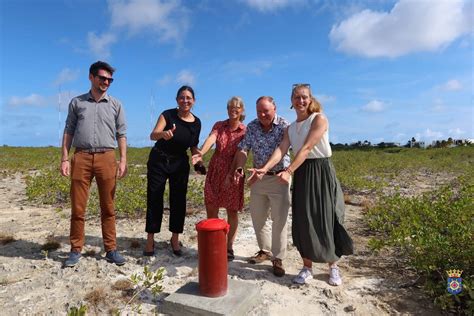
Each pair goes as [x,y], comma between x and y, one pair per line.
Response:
[434,231]
[48,187]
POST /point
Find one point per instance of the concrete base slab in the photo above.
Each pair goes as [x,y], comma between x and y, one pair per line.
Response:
[240,298]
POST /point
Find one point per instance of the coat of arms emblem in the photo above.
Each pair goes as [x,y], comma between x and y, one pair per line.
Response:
[454,281]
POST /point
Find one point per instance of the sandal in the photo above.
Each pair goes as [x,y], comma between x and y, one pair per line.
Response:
[177,252]
[150,253]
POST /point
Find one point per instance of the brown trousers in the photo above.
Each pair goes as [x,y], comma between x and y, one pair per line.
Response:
[84,167]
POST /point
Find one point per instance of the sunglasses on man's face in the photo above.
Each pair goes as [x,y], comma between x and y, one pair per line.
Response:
[103,78]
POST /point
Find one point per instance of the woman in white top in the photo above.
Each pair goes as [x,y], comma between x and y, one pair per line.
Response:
[317,198]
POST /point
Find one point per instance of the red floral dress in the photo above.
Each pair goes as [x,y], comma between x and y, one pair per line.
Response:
[218,193]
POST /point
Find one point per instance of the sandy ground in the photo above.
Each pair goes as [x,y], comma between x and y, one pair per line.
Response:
[35,282]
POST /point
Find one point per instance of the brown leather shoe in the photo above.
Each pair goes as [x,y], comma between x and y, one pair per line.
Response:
[278,267]
[260,257]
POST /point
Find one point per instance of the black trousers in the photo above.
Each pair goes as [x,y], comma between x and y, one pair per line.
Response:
[162,167]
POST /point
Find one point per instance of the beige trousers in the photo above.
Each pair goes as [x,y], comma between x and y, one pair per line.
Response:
[270,197]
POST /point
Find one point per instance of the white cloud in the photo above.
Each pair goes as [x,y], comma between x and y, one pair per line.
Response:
[66,75]
[167,19]
[456,132]
[410,26]
[400,136]
[185,77]
[100,44]
[35,100]
[429,134]
[374,106]
[270,5]
[31,100]
[325,98]
[452,85]
[166,79]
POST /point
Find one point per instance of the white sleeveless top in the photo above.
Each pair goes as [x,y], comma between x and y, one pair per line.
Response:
[297,131]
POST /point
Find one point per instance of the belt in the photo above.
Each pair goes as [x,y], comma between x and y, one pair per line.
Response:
[273,173]
[94,150]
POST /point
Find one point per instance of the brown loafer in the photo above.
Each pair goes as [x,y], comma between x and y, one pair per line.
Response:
[260,257]
[278,267]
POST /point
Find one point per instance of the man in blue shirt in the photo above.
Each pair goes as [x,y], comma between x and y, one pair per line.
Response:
[267,196]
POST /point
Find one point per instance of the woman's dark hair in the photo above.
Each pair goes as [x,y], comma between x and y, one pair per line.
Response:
[95,67]
[185,88]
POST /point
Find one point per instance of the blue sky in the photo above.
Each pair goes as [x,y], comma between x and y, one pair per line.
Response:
[383,70]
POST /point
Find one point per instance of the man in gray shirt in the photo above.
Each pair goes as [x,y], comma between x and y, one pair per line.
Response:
[94,123]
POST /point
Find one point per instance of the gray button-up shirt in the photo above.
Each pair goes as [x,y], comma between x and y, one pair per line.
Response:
[95,124]
[262,144]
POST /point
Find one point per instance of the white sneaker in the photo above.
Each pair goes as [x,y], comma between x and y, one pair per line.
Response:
[304,275]
[334,277]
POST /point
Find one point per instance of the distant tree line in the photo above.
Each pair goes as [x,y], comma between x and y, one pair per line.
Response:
[412,143]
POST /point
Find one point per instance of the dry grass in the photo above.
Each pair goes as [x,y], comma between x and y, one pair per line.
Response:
[135,244]
[126,287]
[347,199]
[123,285]
[366,204]
[97,297]
[6,239]
[90,252]
[5,281]
[51,244]
[193,237]
[194,272]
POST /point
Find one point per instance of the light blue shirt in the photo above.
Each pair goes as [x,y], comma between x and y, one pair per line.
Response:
[263,144]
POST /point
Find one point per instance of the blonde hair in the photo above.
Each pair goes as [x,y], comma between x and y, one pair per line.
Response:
[315,105]
[237,101]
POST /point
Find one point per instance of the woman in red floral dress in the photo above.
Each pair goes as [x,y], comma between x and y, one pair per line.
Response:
[220,189]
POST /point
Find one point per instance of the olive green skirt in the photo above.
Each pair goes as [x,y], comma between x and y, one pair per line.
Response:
[318,212]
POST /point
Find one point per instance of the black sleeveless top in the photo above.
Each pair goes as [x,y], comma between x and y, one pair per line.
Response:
[185,136]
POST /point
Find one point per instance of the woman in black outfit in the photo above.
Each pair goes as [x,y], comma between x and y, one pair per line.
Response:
[176,130]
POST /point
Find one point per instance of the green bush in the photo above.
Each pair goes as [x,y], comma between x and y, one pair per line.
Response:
[373,168]
[48,187]
[130,195]
[435,232]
